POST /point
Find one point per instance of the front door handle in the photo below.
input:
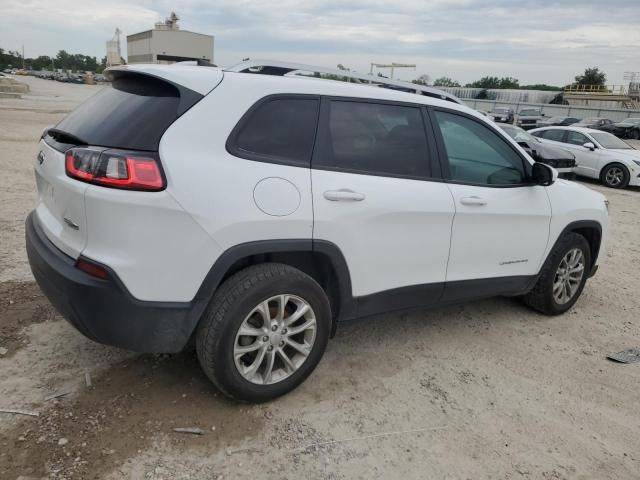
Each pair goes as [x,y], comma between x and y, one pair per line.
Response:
[343,196]
[473,200]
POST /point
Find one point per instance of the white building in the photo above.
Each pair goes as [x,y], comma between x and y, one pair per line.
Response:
[166,43]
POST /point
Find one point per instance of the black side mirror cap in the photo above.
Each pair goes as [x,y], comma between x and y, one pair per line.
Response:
[543,175]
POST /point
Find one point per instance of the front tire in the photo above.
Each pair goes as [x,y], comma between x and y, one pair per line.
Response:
[615,175]
[563,276]
[264,332]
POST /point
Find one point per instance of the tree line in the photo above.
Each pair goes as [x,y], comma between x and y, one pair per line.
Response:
[591,76]
[64,60]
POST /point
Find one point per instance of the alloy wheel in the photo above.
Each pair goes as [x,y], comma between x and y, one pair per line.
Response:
[275,339]
[614,176]
[568,276]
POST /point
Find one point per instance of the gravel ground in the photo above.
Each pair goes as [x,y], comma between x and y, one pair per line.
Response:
[487,389]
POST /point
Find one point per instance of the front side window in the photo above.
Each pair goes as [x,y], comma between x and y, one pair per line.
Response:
[478,155]
[373,138]
[279,129]
[576,138]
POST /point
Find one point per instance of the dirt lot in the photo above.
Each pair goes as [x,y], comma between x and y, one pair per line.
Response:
[482,390]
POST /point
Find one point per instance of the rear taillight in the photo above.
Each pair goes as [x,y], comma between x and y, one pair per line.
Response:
[115,168]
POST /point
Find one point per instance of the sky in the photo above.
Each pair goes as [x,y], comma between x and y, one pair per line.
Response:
[535,41]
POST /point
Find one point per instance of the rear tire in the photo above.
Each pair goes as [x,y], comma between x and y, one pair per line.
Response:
[559,285]
[264,332]
[615,175]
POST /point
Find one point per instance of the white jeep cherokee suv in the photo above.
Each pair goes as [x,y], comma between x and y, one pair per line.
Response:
[252,209]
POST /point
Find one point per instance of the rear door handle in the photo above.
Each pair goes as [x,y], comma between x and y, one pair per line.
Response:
[473,200]
[343,196]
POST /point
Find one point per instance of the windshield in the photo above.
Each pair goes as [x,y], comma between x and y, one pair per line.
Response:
[606,140]
[589,120]
[531,113]
[518,134]
[634,121]
[499,110]
[557,119]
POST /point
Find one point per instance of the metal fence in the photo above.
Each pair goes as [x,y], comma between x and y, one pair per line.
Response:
[504,94]
[550,110]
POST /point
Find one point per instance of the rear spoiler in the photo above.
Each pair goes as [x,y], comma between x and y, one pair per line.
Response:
[193,77]
[188,97]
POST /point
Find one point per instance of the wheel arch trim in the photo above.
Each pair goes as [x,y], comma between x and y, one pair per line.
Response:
[322,248]
[594,242]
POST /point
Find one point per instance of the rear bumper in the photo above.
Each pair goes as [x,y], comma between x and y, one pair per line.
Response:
[103,310]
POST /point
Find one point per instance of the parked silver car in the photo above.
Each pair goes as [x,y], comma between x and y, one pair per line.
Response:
[529,117]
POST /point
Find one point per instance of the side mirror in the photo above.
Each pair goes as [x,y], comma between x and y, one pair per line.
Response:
[590,146]
[543,174]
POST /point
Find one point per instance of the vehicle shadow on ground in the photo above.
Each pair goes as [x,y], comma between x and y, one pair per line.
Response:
[133,403]
[418,322]
[127,407]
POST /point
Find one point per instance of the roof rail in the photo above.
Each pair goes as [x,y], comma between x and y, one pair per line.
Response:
[268,67]
[200,62]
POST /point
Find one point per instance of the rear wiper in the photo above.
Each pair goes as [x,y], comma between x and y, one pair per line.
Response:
[65,137]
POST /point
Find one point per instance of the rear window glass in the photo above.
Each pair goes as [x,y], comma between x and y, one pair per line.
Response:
[279,129]
[378,139]
[131,114]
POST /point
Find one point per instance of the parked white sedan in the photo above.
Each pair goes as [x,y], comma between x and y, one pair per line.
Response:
[598,154]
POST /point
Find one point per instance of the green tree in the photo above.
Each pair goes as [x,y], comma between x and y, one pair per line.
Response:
[63,60]
[422,80]
[540,86]
[509,82]
[592,76]
[494,82]
[485,82]
[445,82]
[9,59]
[43,62]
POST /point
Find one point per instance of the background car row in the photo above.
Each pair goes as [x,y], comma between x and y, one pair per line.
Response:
[66,77]
[579,150]
[599,155]
[530,118]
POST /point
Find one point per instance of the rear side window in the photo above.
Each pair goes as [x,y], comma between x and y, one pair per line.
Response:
[280,129]
[555,135]
[131,114]
[576,138]
[372,138]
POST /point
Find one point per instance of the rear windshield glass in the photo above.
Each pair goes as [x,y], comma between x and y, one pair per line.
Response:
[589,120]
[531,113]
[131,114]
